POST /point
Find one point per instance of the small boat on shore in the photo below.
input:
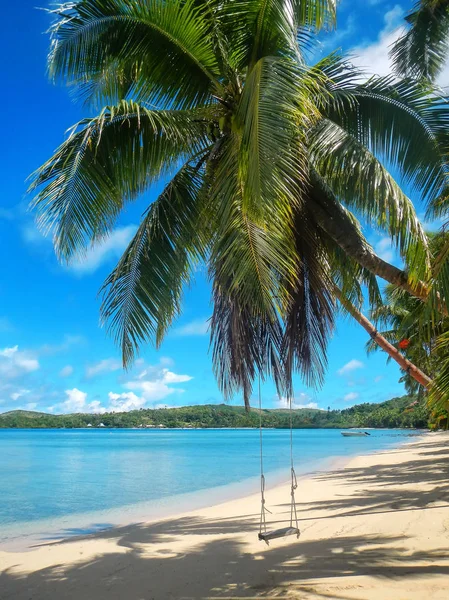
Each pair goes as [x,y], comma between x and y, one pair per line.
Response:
[355,433]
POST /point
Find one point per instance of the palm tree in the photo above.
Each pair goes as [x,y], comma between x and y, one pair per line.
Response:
[421,53]
[424,47]
[427,339]
[388,340]
[265,157]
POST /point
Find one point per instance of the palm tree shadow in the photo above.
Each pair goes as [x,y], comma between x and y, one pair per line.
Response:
[193,574]
[201,558]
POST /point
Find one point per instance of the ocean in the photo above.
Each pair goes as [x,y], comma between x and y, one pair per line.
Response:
[57,483]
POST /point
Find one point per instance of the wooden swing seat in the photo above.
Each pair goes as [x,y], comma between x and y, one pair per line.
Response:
[278,533]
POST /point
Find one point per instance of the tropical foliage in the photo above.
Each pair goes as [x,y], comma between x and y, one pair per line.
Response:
[402,319]
[423,49]
[425,340]
[269,162]
[398,412]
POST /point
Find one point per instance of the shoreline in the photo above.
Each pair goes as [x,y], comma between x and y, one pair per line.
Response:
[90,523]
[375,528]
[69,527]
[156,428]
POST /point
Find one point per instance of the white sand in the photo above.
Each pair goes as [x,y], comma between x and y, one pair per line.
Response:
[376,529]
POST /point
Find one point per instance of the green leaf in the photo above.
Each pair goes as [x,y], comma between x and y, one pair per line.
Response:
[359,180]
[262,28]
[160,52]
[106,161]
[309,305]
[247,262]
[423,49]
[404,123]
[143,294]
[273,114]
[439,392]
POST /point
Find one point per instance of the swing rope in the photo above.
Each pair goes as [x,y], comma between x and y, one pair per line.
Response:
[294,482]
[263,508]
[263,535]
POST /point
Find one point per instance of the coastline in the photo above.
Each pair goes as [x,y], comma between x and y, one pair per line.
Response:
[73,525]
[377,527]
[20,536]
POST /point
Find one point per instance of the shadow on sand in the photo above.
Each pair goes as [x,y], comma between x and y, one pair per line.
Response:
[139,566]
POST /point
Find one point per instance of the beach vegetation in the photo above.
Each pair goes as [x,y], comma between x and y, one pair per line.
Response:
[406,411]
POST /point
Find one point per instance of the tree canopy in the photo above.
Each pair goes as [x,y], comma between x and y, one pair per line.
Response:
[270,165]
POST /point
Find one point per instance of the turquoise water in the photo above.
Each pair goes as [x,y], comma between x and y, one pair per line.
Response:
[53,477]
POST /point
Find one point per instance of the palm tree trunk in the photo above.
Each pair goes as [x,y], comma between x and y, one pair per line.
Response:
[405,364]
[332,218]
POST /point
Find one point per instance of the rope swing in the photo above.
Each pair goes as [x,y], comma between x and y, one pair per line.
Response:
[293,528]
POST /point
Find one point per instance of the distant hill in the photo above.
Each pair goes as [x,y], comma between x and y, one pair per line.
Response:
[28,414]
[404,411]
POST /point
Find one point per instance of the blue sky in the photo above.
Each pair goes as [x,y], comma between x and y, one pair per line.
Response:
[53,354]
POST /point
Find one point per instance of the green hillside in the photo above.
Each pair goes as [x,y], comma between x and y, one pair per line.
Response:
[27,414]
[405,411]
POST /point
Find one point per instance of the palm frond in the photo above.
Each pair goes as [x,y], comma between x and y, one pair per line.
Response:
[142,296]
[106,161]
[309,306]
[247,261]
[244,344]
[359,180]
[422,50]
[439,392]
[162,51]
[262,28]
[390,335]
[438,301]
[404,123]
[274,109]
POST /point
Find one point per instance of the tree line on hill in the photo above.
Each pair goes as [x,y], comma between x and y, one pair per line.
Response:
[405,411]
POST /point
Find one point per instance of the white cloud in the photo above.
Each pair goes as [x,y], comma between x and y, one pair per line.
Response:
[32,235]
[96,407]
[155,383]
[378,378]
[125,402]
[170,377]
[350,366]
[302,400]
[350,396]
[16,395]
[31,406]
[443,77]
[110,248]
[385,249]
[15,363]
[76,402]
[152,385]
[106,365]
[66,371]
[196,327]
[373,58]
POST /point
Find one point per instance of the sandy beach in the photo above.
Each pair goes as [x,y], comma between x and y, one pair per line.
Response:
[376,529]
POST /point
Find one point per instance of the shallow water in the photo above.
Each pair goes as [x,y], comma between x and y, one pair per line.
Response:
[59,479]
